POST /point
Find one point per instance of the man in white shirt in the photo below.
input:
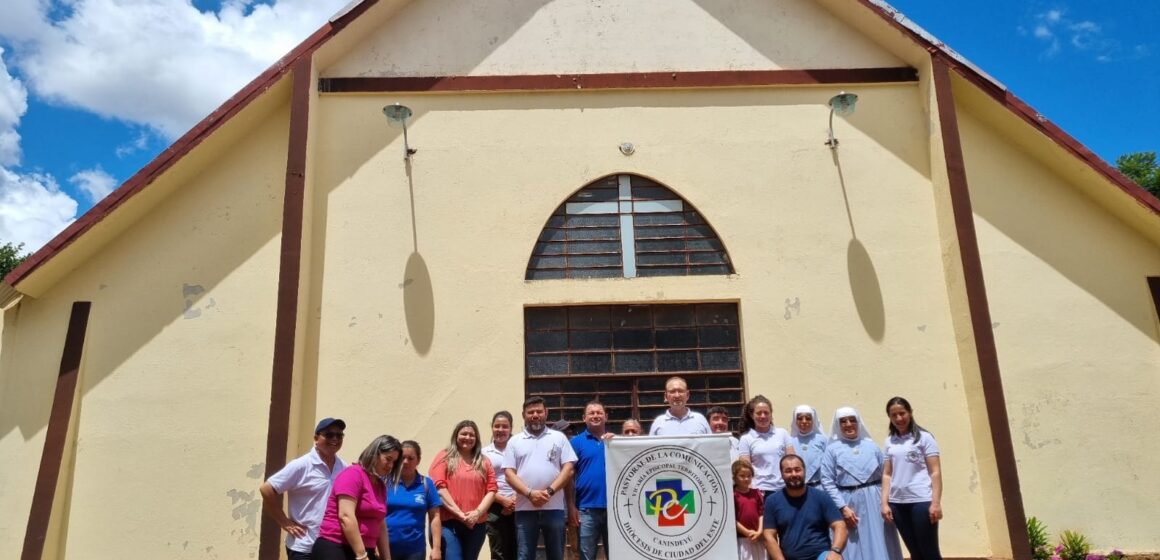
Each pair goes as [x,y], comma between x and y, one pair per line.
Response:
[307,481]
[538,463]
[678,420]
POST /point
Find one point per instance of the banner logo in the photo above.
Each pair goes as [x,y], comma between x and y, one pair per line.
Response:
[671,504]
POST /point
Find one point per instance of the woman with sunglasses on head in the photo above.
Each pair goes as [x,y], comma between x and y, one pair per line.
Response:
[852,476]
[912,482]
[412,504]
[352,527]
[501,520]
[466,482]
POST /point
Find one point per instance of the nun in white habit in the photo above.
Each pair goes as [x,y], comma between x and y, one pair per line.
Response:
[809,441]
[852,476]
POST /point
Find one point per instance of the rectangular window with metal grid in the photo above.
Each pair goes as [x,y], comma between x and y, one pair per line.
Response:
[621,355]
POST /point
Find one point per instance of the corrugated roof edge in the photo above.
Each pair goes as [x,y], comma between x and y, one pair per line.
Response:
[188,141]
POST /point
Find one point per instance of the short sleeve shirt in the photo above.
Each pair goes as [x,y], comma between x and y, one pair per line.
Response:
[749,507]
[590,483]
[407,507]
[370,506]
[765,450]
[691,424]
[306,481]
[802,523]
[910,479]
[496,458]
[538,460]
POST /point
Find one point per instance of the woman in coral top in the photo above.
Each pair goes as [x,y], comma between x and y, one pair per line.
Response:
[466,482]
[352,527]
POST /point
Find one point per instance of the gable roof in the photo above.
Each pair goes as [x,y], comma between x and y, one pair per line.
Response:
[273,75]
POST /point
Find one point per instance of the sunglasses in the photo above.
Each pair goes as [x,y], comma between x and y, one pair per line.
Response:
[333,435]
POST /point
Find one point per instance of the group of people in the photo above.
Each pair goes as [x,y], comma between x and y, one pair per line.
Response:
[839,496]
[799,495]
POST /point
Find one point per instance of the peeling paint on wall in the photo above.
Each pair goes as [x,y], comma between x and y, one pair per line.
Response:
[191,292]
[256,471]
[246,506]
[795,306]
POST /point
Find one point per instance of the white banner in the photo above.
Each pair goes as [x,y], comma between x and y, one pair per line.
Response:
[670,498]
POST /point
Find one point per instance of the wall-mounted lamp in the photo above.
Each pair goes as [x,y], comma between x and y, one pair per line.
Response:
[843,104]
[400,113]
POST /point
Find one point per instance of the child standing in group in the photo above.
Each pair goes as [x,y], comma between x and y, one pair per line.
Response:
[749,508]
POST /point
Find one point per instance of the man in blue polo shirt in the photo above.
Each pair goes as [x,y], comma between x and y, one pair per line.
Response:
[799,519]
[589,507]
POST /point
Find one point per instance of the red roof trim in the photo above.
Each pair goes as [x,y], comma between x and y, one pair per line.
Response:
[175,152]
[1022,110]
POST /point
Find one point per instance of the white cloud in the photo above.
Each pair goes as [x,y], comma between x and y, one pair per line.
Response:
[13,105]
[32,207]
[140,142]
[95,183]
[1054,29]
[160,63]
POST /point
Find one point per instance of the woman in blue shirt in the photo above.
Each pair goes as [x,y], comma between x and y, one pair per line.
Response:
[410,500]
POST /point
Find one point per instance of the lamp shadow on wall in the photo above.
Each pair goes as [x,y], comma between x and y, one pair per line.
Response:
[418,292]
[864,284]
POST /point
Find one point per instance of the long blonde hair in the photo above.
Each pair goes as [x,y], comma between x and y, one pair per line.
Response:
[476,455]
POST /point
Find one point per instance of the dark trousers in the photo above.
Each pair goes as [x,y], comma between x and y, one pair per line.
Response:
[295,555]
[916,530]
[327,550]
[501,533]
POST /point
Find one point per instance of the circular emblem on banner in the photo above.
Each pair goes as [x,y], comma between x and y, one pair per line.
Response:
[671,504]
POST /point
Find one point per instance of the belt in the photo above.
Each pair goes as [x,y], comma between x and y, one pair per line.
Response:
[861,486]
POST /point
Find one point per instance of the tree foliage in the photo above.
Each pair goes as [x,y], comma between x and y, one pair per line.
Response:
[11,257]
[1142,168]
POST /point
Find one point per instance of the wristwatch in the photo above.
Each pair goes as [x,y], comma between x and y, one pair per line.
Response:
[836,550]
[550,491]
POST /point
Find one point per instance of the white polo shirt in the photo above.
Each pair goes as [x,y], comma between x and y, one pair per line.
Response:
[691,424]
[765,450]
[910,478]
[306,482]
[538,460]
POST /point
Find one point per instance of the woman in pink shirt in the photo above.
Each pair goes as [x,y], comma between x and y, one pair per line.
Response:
[466,482]
[352,527]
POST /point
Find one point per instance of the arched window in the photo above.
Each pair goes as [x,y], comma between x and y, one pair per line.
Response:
[626,226]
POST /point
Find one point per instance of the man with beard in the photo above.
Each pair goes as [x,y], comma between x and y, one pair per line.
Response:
[307,481]
[678,420]
[800,518]
[538,464]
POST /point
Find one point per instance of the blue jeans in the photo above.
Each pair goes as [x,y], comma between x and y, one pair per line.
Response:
[461,543]
[593,527]
[529,526]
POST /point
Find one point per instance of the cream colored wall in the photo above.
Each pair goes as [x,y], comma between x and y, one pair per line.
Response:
[174,385]
[1076,331]
[481,37]
[420,323]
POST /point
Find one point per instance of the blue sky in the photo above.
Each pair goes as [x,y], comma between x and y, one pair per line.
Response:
[89,93]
